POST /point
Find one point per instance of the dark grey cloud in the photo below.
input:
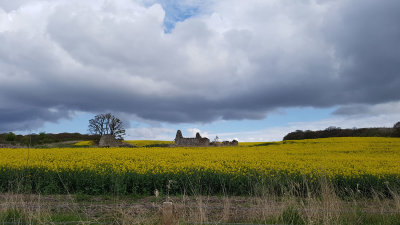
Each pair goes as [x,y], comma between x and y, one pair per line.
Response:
[350,110]
[366,110]
[25,117]
[365,40]
[235,60]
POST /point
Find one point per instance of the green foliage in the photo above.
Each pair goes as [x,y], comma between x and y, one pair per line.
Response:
[291,216]
[364,218]
[44,138]
[157,145]
[10,137]
[266,144]
[14,216]
[17,216]
[150,143]
[36,180]
[338,132]
[65,217]
[396,128]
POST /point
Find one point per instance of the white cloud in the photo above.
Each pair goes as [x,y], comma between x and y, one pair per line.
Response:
[194,131]
[151,133]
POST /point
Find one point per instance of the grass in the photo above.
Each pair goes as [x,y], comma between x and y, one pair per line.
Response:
[250,143]
[260,208]
[84,143]
[66,144]
[137,143]
[149,143]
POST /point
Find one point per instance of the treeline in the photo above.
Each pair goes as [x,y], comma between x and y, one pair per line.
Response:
[338,132]
[42,138]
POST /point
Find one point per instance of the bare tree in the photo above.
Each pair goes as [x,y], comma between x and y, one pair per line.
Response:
[103,124]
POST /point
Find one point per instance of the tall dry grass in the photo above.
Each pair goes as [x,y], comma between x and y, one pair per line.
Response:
[322,207]
[262,207]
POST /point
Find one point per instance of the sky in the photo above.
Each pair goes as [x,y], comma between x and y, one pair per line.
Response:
[247,70]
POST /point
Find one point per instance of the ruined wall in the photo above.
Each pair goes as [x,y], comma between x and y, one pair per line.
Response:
[192,142]
[197,141]
[225,143]
[108,141]
[200,141]
[230,143]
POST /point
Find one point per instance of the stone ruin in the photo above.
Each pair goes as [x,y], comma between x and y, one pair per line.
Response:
[197,141]
[109,140]
[200,141]
[225,143]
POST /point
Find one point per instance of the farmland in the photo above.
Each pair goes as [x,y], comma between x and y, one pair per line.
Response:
[349,164]
[315,181]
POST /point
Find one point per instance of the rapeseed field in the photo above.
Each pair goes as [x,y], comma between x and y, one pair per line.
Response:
[143,143]
[351,164]
[84,143]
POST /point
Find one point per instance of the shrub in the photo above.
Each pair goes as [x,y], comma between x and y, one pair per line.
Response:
[10,137]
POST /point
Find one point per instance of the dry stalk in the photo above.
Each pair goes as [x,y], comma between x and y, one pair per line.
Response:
[202,217]
[331,204]
[226,210]
[396,200]
[323,208]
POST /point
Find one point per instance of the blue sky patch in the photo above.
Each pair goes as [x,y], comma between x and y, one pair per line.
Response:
[176,12]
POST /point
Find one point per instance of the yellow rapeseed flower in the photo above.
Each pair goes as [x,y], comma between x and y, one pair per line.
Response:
[347,157]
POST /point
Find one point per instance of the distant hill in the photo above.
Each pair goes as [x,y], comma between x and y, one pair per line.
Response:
[338,132]
[43,138]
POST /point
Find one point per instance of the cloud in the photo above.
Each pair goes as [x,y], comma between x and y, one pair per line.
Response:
[193,131]
[150,133]
[224,60]
[277,133]
[363,110]
[10,5]
[28,117]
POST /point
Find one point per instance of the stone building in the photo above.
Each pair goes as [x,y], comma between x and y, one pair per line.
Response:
[108,140]
[200,141]
[230,143]
[197,141]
